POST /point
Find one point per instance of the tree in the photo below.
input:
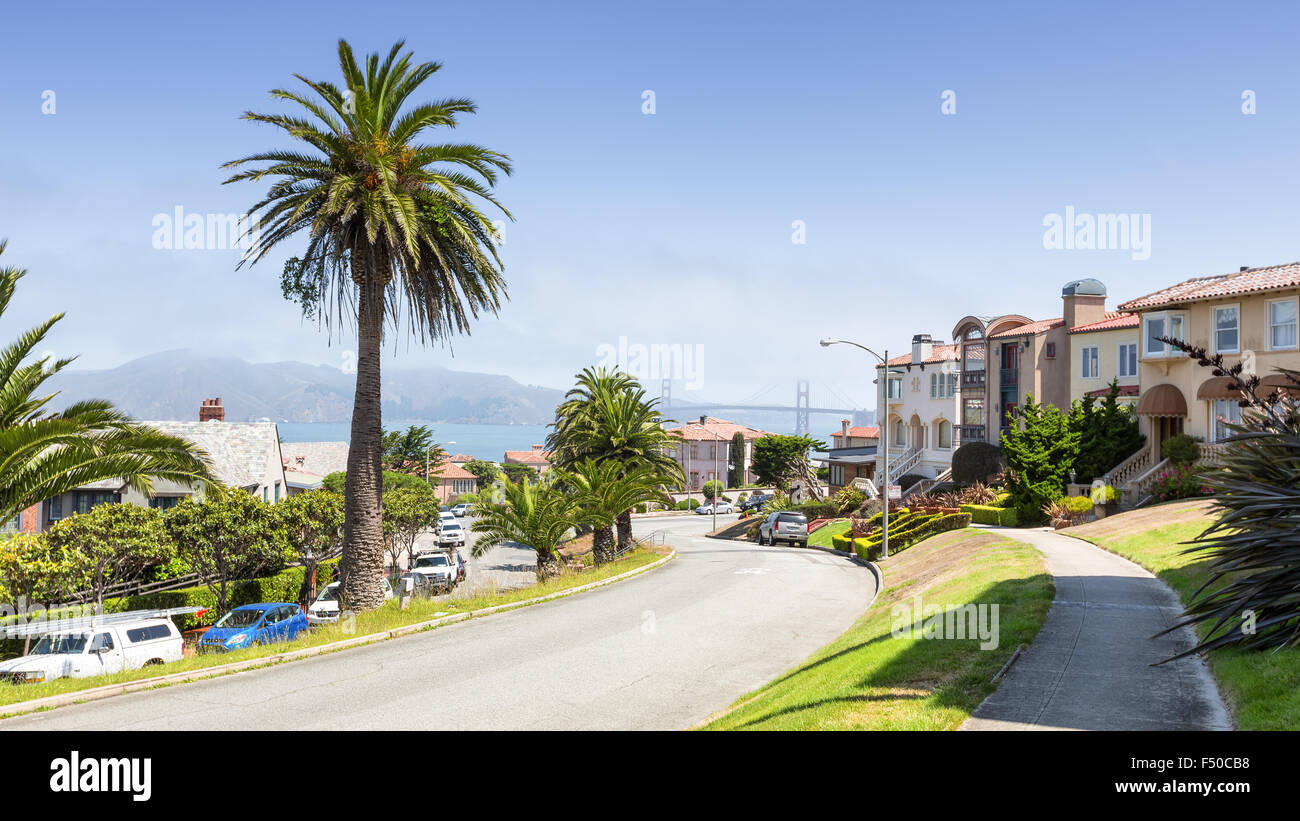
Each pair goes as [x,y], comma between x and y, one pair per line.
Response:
[1250,599]
[410,450]
[534,516]
[32,571]
[337,481]
[45,453]
[603,490]
[779,460]
[394,228]
[114,544]
[484,472]
[314,521]
[519,473]
[408,512]
[737,474]
[229,535]
[1108,434]
[712,489]
[607,416]
[1040,449]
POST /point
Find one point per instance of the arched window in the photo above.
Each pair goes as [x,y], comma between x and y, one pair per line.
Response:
[899,434]
[944,433]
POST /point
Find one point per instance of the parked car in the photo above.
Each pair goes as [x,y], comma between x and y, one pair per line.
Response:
[461,510]
[446,517]
[434,570]
[756,501]
[723,507]
[325,610]
[251,624]
[451,534]
[111,648]
[784,525]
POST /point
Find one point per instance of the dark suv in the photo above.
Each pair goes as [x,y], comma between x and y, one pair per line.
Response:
[756,501]
[784,525]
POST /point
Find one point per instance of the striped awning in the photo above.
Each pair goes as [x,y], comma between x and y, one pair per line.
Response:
[1162,400]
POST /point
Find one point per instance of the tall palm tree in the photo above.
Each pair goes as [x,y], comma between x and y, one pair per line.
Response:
[603,490]
[394,226]
[607,416]
[535,516]
[44,453]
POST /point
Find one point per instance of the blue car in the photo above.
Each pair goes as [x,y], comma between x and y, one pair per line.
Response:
[254,624]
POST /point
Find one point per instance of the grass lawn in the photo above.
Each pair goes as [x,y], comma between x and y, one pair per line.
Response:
[821,537]
[388,617]
[1262,688]
[869,680]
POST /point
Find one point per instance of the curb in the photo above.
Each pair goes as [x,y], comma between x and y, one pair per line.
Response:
[110,690]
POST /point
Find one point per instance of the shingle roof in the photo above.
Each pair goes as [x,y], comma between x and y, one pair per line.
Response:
[715,429]
[861,431]
[1031,329]
[1124,390]
[1113,320]
[1251,280]
[240,451]
[320,458]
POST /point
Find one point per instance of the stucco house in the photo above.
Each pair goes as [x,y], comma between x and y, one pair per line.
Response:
[920,403]
[537,458]
[707,450]
[1105,351]
[851,455]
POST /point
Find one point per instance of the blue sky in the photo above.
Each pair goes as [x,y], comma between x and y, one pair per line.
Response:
[673,227]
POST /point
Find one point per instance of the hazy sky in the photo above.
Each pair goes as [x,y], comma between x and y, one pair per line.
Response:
[673,227]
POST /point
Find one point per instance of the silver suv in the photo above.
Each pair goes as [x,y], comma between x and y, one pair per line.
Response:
[784,525]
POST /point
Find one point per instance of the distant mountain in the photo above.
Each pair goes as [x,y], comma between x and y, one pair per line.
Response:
[170,385]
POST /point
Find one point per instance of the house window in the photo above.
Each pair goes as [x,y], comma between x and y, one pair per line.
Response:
[1050,350]
[1226,327]
[934,386]
[1128,359]
[164,502]
[1282,315]
[899,434]
[945,434]
[895,386]
[54,509]
[14,525]
[837,475]
[973,412]
[952,384]
[88,499]
[277,491]
[1226,411]
[1089,362]
[1156,326]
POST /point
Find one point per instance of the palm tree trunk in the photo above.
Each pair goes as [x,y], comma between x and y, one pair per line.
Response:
[362,564]
[624,529]
[548,566]
[602,544]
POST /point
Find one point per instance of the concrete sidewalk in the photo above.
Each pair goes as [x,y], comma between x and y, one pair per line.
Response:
[1090,666]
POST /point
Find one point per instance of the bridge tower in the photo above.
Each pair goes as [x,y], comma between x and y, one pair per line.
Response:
[801,405]
[665,394]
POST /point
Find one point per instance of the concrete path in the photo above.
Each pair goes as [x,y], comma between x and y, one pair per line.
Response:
[1090,666]
[660,651]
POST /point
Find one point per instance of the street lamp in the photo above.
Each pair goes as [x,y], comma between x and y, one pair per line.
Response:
[884,440]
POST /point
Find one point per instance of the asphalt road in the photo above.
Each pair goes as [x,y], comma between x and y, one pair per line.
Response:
[659,651]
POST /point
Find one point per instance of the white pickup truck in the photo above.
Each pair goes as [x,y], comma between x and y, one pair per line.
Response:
[434,570]
[94,650]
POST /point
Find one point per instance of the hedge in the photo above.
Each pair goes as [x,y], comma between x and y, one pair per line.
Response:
[992,515]
[917,529]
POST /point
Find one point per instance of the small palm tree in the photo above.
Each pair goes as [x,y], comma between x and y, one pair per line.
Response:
[393,226]
[535,516]
[607,416]
[45,453]
[603,490]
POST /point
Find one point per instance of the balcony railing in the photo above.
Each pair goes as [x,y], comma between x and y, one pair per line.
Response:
[1010,377]
[970,433]
[972,379]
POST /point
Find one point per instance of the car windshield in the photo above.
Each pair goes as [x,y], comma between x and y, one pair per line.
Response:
[330,593]
[240,618]
[431,561]
[792,517]
[60,644]
[451,528]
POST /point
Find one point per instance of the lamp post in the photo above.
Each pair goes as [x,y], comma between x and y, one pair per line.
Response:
[884,440]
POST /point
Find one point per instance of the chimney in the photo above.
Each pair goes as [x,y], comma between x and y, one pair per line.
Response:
[212,411]
[537,448]
[844,433]
[1244,268]
[704,420]
[922,347]
[1084,302]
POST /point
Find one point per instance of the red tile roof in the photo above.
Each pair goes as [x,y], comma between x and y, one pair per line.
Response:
[451,470]
[460,458]
[861,431]
[716,429]
[1124,390]
[1031,329]
[940,353]
[1251,280]
[530,457]
[1113,320]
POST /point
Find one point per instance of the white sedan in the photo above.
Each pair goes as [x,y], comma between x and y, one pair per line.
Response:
[723,507]
[325,610]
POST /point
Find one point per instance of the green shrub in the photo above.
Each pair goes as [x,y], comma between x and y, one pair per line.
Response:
[916,529]
[1105,495]
[992,515]
[976,462]
[1079,504]
[1183,449]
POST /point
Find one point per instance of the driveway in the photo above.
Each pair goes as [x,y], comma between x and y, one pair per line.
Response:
[1091,666]
[660,651]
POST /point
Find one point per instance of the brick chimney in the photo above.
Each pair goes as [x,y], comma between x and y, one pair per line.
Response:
[212,410]
[844,433]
